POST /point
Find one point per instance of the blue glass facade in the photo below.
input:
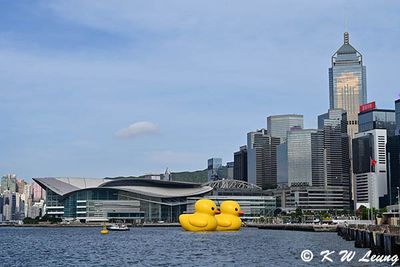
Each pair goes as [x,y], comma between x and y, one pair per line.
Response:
[377,119]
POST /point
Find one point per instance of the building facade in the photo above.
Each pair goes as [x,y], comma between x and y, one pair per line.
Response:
[378,119]
[132,200]
[279,125]
[261,159]
[397,107]
[299,157]
[240,164]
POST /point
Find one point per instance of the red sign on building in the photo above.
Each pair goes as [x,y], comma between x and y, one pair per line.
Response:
[367,107]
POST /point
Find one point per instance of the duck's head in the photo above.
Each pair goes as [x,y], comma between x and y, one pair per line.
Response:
[231,207]
[206,206]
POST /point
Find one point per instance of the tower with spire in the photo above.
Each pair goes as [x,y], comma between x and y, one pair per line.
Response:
[347,83]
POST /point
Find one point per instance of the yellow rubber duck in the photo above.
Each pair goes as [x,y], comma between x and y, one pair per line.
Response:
[203,219]
[229,219]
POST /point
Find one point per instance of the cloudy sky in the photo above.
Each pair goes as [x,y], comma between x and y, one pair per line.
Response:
[106,88]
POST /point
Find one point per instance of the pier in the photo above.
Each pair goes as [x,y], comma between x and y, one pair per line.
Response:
[381,239]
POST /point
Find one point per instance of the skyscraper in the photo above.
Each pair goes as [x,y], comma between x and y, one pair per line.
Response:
[261,159]
[240,164]
[214,171]
[9,183]
[299,157]
[279,125]
[347,83]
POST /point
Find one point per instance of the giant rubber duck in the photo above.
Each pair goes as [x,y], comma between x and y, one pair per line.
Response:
[203,219]
[229,219]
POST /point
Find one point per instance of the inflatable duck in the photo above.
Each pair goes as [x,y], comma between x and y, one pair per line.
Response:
[229,219]
[203,219]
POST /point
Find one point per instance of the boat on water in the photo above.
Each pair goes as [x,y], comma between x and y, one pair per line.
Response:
[118,227]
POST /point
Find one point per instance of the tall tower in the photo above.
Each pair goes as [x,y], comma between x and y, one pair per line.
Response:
[347,83]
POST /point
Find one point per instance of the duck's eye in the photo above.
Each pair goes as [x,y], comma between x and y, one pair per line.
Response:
[212,208]
[236,209]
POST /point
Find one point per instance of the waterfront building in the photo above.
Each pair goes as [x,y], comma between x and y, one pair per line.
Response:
[369,161]
[261,159]
[214,169]
[133,200]
[230,168]
[313,198]
[347,83]
[240,164]
[9,206]
[252,199]
[279,125]
[299,157]
[9,183]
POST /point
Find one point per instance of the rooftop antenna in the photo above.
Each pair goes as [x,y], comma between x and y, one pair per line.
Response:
[346,30]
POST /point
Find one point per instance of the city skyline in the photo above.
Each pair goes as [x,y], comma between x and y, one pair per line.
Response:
[93,97]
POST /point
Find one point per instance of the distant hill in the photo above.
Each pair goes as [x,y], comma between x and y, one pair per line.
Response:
[188,176]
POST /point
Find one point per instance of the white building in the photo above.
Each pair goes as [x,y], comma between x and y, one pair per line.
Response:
[370,167]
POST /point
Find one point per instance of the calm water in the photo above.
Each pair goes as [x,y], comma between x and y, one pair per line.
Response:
[166,247]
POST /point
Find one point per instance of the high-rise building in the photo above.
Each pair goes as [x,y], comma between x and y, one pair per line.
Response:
[369,161]
[393,167]
[347,83]
[240,164]
[230,169]
[377,119]
[20,186]
[214,169]
[299,155]
[282,165]
[261,159]
[397,106]
[38,192]
[336,148]
[279,125]
[9,183]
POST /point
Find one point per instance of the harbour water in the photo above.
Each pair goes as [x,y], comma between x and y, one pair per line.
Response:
[169,247]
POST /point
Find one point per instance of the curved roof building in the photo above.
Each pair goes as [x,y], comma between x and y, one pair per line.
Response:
[129,199]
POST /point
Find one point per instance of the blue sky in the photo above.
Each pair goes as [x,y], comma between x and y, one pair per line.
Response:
[108,88]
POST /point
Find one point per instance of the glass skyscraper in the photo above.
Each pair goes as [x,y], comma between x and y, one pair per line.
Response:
[279,125]
[347,83]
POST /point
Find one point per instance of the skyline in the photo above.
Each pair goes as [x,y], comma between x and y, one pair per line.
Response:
[88,93]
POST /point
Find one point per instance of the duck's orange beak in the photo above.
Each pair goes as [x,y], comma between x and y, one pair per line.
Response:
[241,213]
[217,211]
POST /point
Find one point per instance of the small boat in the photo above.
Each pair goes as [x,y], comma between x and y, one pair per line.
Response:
[118,227]
[104,230]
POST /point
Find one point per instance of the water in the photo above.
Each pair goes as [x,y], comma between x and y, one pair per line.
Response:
[167,247]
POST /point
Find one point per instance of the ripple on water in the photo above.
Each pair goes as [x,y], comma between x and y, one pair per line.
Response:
[164,247]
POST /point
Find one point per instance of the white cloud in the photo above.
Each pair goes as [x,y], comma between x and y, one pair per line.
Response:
[138,129]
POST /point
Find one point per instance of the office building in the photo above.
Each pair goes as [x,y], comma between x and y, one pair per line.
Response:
[261,159]
[230,169]
[133,200]
[313,198]
[370,166]
[214,169]
[282,165]
[335,155]
[347,83]
[9,183]
[279,125]
[299,157]
[240,164]
[373,118]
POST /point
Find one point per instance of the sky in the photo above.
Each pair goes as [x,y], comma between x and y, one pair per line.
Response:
[109,88]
